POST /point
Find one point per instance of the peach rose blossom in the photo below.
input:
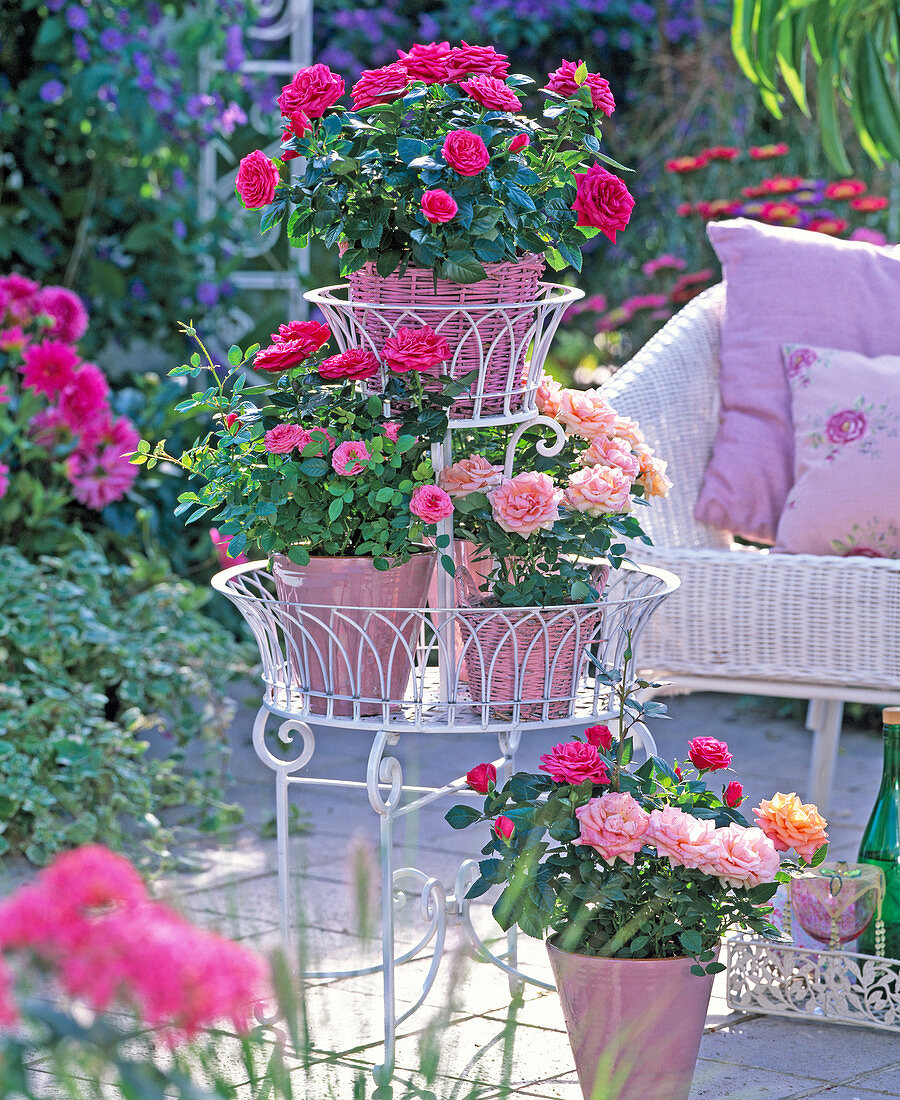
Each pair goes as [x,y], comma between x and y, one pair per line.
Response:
[585,413]
[599,490]
[526,503]
[547,397]
[746,857]
[470,475]
[613,825]
[683,839]
[653,472]
[612,452]
[789,823]
[627,429]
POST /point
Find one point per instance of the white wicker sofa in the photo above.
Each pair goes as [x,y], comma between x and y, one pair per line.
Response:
[826,629]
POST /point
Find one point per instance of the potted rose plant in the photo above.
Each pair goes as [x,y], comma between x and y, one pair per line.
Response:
[441,193]
[634,876]
[310,471]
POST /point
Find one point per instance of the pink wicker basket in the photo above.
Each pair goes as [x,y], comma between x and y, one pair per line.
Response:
[488,327]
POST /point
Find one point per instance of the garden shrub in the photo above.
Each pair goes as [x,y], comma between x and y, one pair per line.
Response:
[98,657]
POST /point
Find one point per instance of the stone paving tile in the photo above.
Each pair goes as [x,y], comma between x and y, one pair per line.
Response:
[886,1080]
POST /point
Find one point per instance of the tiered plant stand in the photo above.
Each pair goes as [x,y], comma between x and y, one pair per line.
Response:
[303,647]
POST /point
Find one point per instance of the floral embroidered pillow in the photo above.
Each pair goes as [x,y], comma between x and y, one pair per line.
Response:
[846,414]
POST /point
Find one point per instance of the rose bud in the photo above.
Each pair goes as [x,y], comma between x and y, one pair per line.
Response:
[504,827]
[482,778]
[734,794]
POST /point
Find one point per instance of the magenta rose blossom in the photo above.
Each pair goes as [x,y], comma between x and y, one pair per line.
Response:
[348,457]
[520,141]
[380,85]
[465,152]
[312,333]
[312,91]
[356,363]
[419,349]
[504,827]
[438,206]
[465,60]
[428,63]
[283,438]
[282,356]
[614,825]
[600,737]
[481,777]
[563,82]
[490,92]
[256,180]
[574,762]
[846,426]
[70,319]
[602,201]
[709,755]
[431,504]
[734,795]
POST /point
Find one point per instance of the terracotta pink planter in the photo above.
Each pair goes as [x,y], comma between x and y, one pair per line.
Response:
[336,650]
[635,1025]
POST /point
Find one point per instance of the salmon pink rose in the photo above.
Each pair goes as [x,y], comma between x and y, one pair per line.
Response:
[627,429]
[380,85]
[614,825]
[355,363]
[465,60]
[431,504]
[611,452]
[490,92]
[438,207]
[312,90]
[313,332]
[526,503]
[481,778]
[683,839]
[418,349]
[745,857]
[709,755]
[520,141]
[602,201]
[470,475]
[653,472]
[600,737]
[789,823]
[428,63]
[349,456]
[282,356]
[283,438]
[465,152]
[574,762]
[256,180]
[585,414]
[599,491]
[547,397]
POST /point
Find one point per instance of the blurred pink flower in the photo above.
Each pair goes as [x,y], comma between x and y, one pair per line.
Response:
[5,395]
[99,477]
[526,503]
[666,262]
[220,545]
[4,479]
[70,319]
[49,367]
[84,399]
[614,825]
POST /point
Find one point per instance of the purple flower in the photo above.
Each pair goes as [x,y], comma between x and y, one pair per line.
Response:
[138,290]
[179,178]
[52,91]
[82,49]
[145,82]
[77,18]
[207,294]
[123,17]
[232,117]
[106,93]
[179,229]
[234,49]
[112,39]
[846,426]
[154,13]
[159,99]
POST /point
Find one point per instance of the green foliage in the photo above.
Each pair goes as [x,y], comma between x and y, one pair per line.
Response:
[852,47]
[98,660]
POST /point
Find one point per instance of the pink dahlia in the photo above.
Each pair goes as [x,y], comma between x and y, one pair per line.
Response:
[83,401]
[48,428]
[99,478]
[70,319]
[49,367]
[19,295]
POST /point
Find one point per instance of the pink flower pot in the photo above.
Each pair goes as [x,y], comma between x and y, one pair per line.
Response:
[634,1025]
[349,629]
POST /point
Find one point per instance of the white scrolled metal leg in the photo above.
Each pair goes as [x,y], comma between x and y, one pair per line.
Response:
[509,743]
[826,736]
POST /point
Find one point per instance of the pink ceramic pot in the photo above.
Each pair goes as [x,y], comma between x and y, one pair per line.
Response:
[634,1024]
[336,650]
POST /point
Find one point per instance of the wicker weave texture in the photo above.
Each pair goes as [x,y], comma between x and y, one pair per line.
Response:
[743,613]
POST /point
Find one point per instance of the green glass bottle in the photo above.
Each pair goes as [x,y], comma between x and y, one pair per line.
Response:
[881,840]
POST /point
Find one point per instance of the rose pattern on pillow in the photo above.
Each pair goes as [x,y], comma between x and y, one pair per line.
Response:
[874,539]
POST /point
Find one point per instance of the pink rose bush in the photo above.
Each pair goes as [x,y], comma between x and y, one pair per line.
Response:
[431,504]
[470,475]
[526,503]
[631,861]
[599,490]
[415,349]
[438,206]
[53,402]
[465,152]
[256,180]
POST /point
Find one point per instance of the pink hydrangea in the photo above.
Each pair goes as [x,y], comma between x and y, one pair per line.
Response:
[465,60]
[84,399]
[100,477]
[745,858]
[427,63]
[284,438]
[431,504]
[4,479]
[49,367]
[349,456]
[470,475]
[70,319]
[574,762]
[614,825]
[493,93]
[382,85]
[683,839]
[585,413]
[599,491]
[415,349]
[604,451]
[526,503]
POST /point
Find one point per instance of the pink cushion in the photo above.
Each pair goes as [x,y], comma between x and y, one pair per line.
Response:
[783,286]
[846,411]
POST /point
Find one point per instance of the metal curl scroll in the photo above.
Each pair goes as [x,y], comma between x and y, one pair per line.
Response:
[383,769]
[545,448]
[286,732]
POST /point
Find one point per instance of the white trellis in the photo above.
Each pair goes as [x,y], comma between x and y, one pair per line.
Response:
[288,24]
